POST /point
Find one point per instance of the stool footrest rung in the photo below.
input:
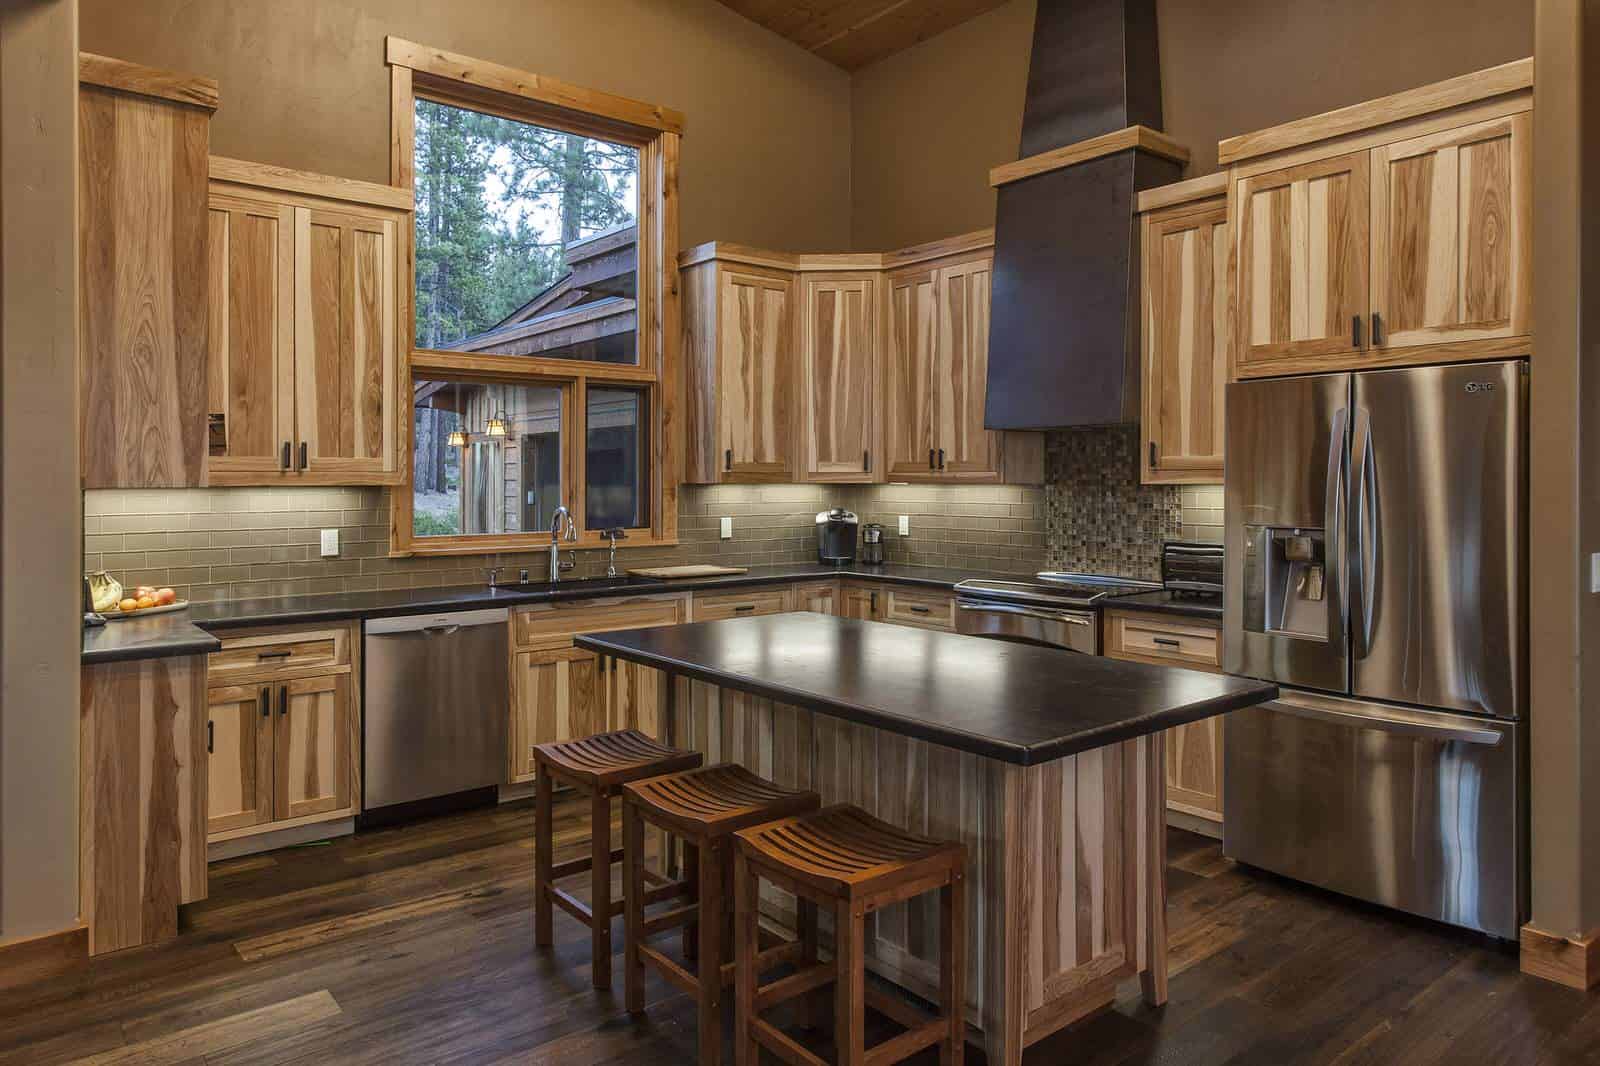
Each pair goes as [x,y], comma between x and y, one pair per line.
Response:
[674,973]
[573,867]
[654,923]
[665,891]
[572,905]
[798,983]
[783,1045]
[898,1010]
[907,1043]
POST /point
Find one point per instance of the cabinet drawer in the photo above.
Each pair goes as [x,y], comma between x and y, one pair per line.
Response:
[711,606]
[1157,638]
[548,625]
[275,651]
[931,610]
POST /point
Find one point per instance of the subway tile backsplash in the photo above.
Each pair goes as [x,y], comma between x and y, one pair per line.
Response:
[233,543]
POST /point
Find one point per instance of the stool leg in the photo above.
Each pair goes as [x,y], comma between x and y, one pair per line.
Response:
[543,854]
[953,967]
[745,934]
[633,905]
[600,888]
[712,903]
[850,988]
[691,874]
[806,927]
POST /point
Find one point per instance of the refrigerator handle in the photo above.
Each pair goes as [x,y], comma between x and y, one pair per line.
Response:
[1333,505]
[1364,559]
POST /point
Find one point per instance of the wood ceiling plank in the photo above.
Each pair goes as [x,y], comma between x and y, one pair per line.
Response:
[854,33]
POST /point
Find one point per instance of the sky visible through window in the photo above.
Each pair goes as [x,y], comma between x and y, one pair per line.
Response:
[497,203]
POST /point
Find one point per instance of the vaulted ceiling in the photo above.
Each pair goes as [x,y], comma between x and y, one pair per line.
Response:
[854,33]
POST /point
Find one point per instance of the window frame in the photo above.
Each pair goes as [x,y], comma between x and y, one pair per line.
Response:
[417,72]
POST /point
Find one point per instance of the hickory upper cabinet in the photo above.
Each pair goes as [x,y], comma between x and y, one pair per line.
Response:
[1186,329]
[304,328]
[739,375]
[1390,233]
[143,139]
[838,377]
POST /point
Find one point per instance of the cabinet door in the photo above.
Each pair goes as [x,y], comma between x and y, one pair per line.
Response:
[239,736]
[634,696]
[345,365]
[1194,768]
[251,340]
[555,695]
[839,402]
[859,601]
[1302,249]
[1185,342]
[313,746]
[909,338]
[820,597]
[964,450]
[715,606]
[1452,235]
[755,378]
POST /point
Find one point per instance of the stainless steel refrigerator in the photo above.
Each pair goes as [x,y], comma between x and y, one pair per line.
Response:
[1376,569]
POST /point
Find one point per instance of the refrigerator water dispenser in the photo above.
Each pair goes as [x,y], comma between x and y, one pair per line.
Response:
[1285,572]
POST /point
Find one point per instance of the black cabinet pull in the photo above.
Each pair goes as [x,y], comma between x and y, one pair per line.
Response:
[304,461]
[286,447]
[744,607]
[874,603]
[1377,330]
[266,705]
[866,462]
[281,653]
[211,738]
[919,610]
[727,459]
[1165,642]
[1152,455]
[930,459]
[1355,331]
[941,458]
[283,699]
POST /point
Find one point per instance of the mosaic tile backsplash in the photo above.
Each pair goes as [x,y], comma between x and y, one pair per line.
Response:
[232,543]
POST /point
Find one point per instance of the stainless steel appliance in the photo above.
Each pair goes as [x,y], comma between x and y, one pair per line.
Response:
[1192,571]
[436,706]
[872,544]
[1056,609]
[1376,569]
[836,536]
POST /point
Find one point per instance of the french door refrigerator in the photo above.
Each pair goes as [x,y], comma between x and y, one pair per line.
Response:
[1376,570]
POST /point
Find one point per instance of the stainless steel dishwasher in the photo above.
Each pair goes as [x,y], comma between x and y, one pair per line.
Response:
[437,702]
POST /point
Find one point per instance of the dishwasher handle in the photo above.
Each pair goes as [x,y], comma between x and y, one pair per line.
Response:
[436,624]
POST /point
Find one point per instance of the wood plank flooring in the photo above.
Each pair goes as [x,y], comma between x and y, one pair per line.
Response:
[415,945]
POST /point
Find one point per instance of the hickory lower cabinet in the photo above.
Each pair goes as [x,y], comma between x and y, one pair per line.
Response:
[559,692]
[1186,330]
[1194,752]
[305,328]
[1391,233]
[283,730]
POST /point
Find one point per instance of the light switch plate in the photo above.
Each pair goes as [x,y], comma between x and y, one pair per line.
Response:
[330,543]
[1594,572]
[905,525]
[725,528]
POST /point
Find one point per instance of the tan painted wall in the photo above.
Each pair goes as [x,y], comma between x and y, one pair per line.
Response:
[929,122]
[41,512]
[766,156]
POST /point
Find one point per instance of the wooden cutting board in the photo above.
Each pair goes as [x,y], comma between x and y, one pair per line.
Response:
[689,570]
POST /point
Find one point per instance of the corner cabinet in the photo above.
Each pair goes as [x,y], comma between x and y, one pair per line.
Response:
[304,329]
[1393,233]
[143,137]
[856,367]
[1186,331]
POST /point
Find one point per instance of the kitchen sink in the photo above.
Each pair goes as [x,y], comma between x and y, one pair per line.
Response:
[580,583]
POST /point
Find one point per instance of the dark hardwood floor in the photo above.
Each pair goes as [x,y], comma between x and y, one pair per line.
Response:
[414,945]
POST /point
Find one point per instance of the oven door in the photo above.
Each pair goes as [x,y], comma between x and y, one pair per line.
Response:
[1050,627]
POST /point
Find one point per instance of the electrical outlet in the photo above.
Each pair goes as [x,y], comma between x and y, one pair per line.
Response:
[725,528]
[330,543]
[905,525]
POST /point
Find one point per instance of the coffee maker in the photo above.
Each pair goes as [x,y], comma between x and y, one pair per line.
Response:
[836,536]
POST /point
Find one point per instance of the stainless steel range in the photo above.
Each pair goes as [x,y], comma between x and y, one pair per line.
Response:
[1055,609]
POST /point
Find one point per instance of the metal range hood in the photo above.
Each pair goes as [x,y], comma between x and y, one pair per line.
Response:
[1063,339]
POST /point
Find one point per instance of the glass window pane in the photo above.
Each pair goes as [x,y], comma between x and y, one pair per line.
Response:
[526,238]
[617,459]
[487,457]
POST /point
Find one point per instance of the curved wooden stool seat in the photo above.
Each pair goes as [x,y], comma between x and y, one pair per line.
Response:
[843,858]
[704,808]
[599,765]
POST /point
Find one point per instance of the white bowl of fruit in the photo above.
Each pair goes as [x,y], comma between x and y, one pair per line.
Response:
[146,600]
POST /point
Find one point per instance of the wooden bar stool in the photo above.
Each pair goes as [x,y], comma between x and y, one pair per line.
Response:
[843,858]
[599,765]
[703,808]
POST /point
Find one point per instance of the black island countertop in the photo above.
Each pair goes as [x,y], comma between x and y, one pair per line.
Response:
[1013,702]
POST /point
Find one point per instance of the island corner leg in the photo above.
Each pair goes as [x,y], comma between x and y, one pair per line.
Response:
[1153,978]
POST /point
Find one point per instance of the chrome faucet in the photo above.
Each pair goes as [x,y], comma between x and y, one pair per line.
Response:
[556,565]
[613,535]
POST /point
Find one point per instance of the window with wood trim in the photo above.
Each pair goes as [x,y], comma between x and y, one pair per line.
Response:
[542,320]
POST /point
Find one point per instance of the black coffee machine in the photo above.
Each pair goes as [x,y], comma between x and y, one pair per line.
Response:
[836,536]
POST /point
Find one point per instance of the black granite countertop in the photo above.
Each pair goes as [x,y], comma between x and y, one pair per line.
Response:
[155,637]
[174,633]
[1163,602]
[1013,702]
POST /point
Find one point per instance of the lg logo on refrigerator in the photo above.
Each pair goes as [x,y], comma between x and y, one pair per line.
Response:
[1480,386]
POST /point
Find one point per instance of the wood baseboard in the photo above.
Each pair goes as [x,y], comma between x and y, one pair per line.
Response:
[35,958]
[1574,963]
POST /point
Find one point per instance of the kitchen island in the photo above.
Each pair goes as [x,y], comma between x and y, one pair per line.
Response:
[1046,764]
